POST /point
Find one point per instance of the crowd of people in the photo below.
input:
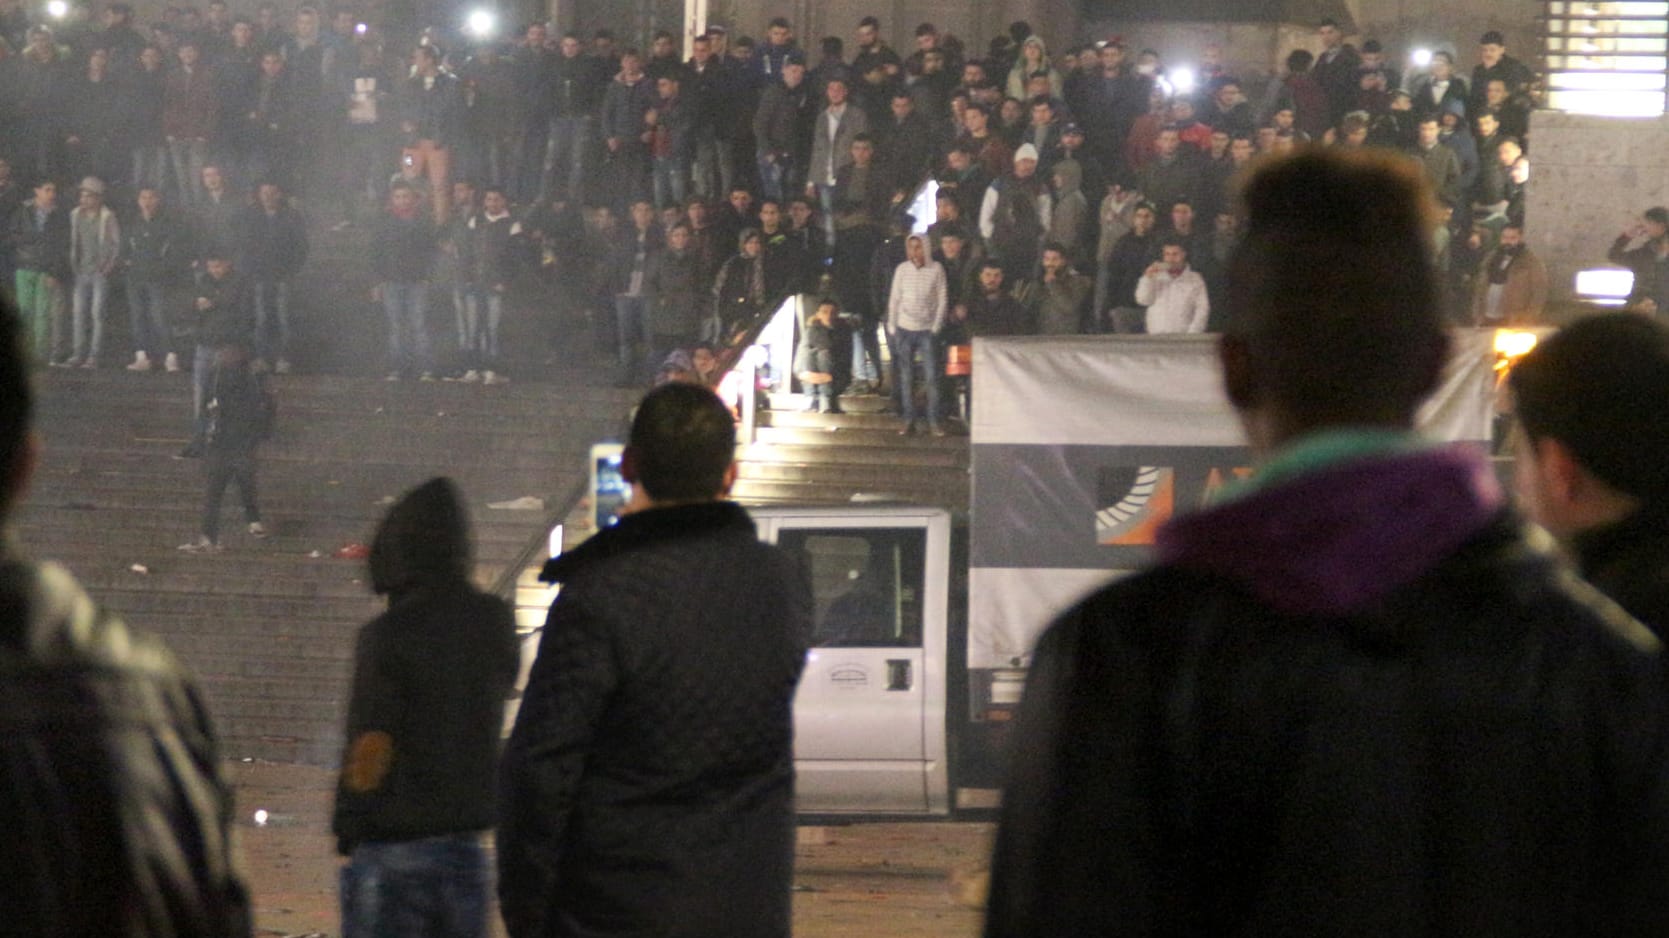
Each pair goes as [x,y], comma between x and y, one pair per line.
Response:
[1357,694]
[1086,191]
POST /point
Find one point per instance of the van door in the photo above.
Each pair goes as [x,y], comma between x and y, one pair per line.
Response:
[869,715]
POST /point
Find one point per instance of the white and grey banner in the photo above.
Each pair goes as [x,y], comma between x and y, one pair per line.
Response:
[1084,446]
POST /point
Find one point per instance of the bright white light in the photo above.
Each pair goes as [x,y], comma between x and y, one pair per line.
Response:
[1514,344]
[261,817]
[1603,283]
[1420,57]
[1608,103]
[925,206]
[481,23]
[57,9]
[1183,79]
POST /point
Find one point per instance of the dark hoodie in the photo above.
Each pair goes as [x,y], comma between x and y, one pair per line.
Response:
[1359,701]
[432,673]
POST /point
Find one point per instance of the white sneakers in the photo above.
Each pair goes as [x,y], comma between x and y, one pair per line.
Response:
[171,364]
[470,377]
[493,377]
[202,545]
[141,362]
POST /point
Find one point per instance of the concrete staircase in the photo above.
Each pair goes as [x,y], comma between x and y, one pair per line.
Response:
[806,457]
[269,625]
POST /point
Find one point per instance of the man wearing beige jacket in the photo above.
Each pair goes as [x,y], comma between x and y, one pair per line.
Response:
[1510,288]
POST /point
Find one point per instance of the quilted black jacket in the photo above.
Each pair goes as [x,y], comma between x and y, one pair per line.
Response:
[648,784]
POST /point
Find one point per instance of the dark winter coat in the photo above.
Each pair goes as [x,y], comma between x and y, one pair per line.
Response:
[782,123]
[1629,562]
[574,85]
[623,108]
[432,673]
[239,410]
[155,249]
[142,107]
[43,248]
[739,291]
[436,112]
[405,248]
[491,249]
[271,247]
[675,282]
[190,104]
[1360,701]
[118,822]
[648,786]
[230,317]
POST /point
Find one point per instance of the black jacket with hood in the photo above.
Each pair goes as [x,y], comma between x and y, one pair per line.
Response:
[431,674]
[1360,701]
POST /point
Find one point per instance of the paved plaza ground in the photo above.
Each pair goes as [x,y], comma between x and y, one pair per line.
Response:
[870,880]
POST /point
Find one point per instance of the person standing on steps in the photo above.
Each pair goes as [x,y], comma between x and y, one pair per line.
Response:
[223,317]
[95,247]
[915,315]
[154,254]
[238,416]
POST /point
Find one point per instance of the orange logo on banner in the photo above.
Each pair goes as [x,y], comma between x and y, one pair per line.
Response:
[1216,481]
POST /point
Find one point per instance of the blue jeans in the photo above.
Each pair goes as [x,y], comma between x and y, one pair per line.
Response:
[149,317]
[906,345]
[631,321]
[436,887]
[863,369]
[478,337]
[202,367]
[272,314]
[150,166]
[565,144]
[87,315]
[188,158]
[670,173]
[715,164]
[406,305]
[773,176]
[825,204]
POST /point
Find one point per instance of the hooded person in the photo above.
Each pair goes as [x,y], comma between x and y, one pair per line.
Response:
[1355,695]
[1033,60]
[431,675]
[1071,219]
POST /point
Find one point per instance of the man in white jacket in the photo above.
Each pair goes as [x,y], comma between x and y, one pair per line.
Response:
[915,314]
[1173,293]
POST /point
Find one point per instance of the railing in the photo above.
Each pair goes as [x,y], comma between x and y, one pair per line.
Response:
[782,327]
[505,585]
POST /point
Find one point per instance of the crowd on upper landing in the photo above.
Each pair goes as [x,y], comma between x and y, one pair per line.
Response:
[1089,190]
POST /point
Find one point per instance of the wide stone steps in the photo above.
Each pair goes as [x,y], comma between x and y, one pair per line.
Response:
[268,627]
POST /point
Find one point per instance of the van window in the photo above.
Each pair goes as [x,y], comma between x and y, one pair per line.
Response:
[866,583]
